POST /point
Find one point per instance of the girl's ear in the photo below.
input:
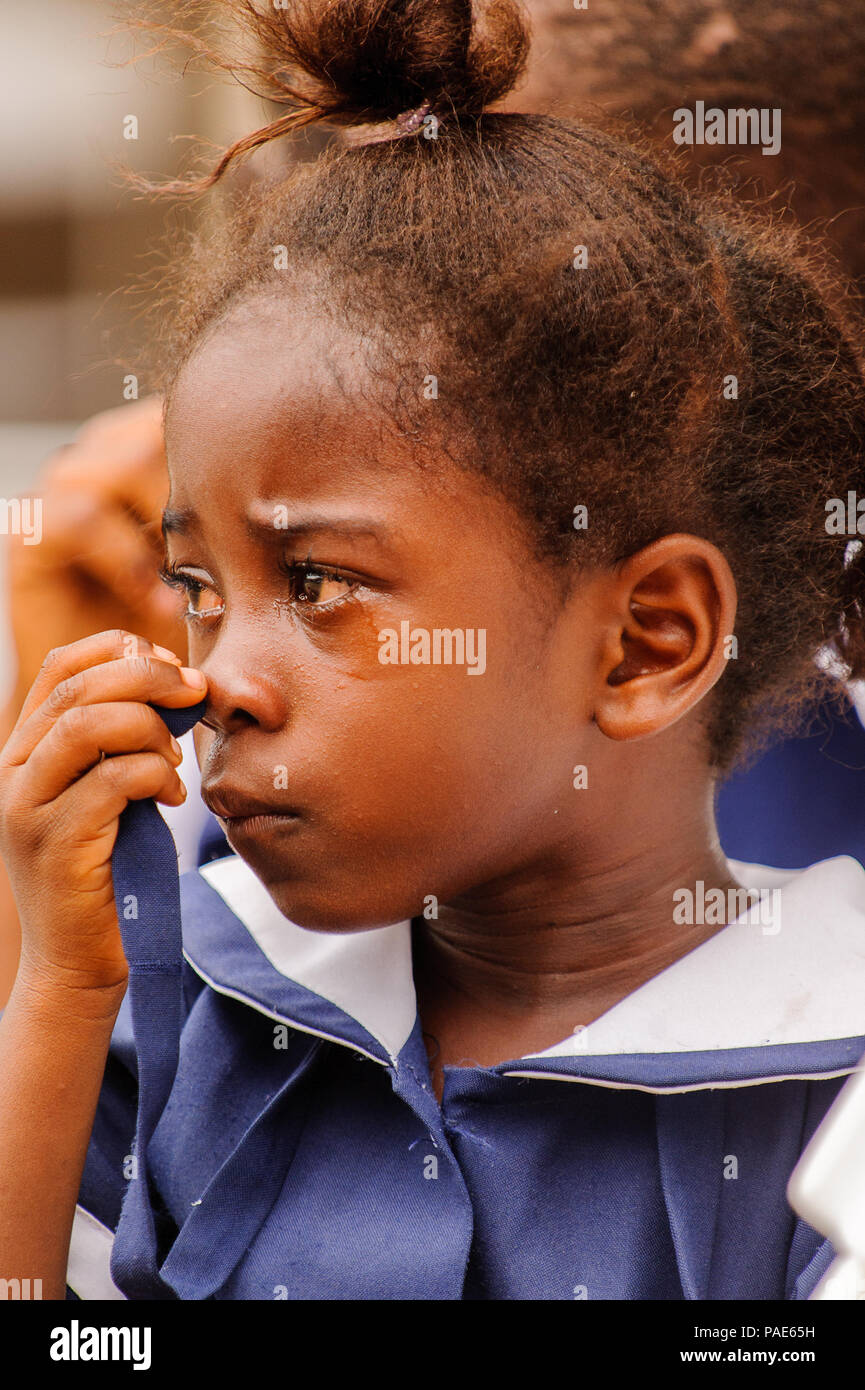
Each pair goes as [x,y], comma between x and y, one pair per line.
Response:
[671,608]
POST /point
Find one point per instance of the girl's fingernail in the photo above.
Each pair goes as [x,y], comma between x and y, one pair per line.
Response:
[193,678]
[166,655]
[178,751]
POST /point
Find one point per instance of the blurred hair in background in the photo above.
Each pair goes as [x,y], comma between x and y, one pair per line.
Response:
[646,58]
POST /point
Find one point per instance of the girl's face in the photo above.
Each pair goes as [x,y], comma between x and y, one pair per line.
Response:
[330,577]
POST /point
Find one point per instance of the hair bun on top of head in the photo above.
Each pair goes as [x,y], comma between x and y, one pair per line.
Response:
[353,63]
[368,61]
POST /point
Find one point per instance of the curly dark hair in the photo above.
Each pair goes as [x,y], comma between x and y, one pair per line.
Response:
[600,378]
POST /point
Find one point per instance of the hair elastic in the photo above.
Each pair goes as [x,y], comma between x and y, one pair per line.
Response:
[410,121]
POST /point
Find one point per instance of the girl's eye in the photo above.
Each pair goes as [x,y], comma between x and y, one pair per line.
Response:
[317,587]
[309,584]
[202,601]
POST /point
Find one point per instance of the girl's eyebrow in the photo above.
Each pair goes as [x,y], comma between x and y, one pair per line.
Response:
[177,520]
[274,522]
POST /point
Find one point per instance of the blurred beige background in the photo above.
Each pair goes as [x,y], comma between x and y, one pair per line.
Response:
[70,234]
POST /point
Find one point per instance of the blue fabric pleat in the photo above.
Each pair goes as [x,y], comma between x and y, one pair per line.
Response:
[146,891]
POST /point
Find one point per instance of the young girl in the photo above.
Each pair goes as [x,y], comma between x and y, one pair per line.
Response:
[499,484]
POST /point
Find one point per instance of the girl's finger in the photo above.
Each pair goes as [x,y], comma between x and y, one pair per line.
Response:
[63,662]
[141,679]
[80,737]
[87,808]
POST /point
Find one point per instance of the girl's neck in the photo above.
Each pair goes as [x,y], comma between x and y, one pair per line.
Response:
[518,967]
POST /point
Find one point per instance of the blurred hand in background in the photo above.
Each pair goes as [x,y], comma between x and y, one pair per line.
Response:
[97,564]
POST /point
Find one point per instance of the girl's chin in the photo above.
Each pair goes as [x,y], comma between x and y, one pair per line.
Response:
[322,915]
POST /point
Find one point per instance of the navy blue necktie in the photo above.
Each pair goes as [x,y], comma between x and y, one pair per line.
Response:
[147,894]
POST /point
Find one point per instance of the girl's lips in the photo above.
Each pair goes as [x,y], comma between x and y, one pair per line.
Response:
[259,824]
[231,805]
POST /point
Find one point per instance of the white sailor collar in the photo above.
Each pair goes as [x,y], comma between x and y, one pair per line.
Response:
[798,981]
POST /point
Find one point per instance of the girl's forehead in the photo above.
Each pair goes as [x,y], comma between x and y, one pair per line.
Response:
[276,401]
[274,415]
[277,363]
[279,406]
[250,431]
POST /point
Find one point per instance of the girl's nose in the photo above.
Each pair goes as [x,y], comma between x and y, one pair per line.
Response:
[242,691]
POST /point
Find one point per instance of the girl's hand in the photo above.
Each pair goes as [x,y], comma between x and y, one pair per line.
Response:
[60,799]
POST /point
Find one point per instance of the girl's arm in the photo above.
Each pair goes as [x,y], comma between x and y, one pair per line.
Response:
[86,744]
[53,1046]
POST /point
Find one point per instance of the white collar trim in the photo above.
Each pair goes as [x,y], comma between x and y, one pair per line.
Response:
[744,987]
[367,974]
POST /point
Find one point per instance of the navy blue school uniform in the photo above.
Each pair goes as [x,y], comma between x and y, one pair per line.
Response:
[301,1153]
[802,800]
